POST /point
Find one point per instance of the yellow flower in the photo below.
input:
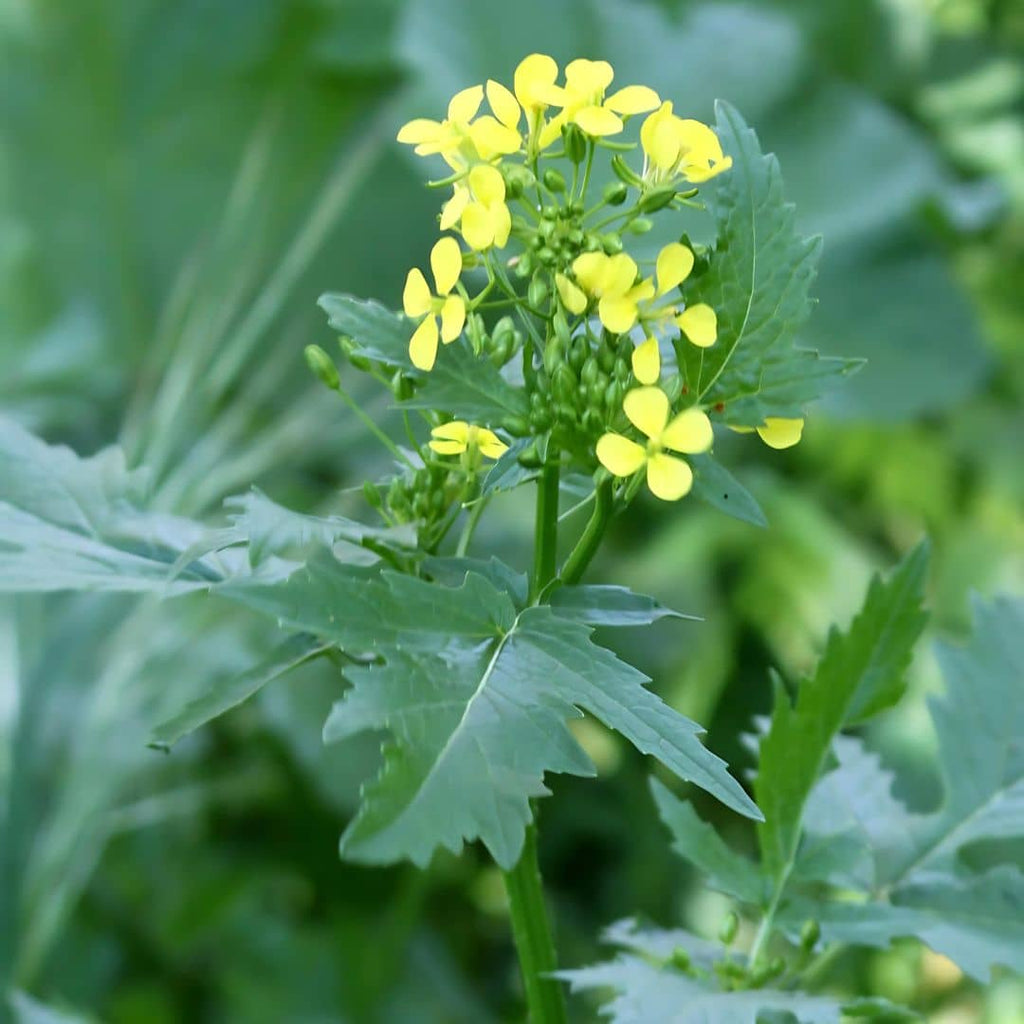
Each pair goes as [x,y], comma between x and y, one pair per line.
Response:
[460,139]
[674,147]
[648,410]
[573,297]
[776,432]
[457,437]
[647,361]
[419,302]
[583,101]
[478,207]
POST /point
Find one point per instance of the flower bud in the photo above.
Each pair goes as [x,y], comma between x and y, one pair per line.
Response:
[575,142]
[348,347]
[554,348]
[553,180]
[624,172]
[476,331]
[524,265]
[561,327]
[680,960]
[611,243]
[615,193]
[517,426]
[639,226]
[546,255]
[322,365]
[372,495]
[730,926]
[658,199]
[538,292]
[517,179]
[809,935]
[402,386]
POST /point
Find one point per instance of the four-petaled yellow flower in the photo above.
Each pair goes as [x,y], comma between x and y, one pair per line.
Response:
[460,139]
[458,436]
[776,432]
[676,147]
[419,302]
[689,432]
[582,101]
[478,207]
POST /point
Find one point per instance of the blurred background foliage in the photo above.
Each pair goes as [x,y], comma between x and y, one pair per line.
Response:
[179,181]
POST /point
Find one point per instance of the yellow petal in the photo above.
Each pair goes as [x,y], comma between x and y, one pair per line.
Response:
[532,76]
[598,121]
[446,263]
[589,269]
[618,275]
[659,138]
[492,138]
[503,103]
[552,131]
[477,227]
[668,478]
[699,324]
[689,432]
[780,433]
[697,140]
[452,210]
[619,455]
[588,77]
[741,430]
[634,99]
[491,446]
[703,172]
[448,447]
[455,430]
[416,296]
[647,409]
[617,312]
[453,317]
[675,262]
[419,130]
[465,104]
[647,362]
[423,345]
[572,297]
[502,220]
[487,184]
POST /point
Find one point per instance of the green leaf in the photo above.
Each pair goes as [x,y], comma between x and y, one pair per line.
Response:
[375,332]
[698,843]
[228,692]
[715,485]
[508,472]
[470,388]
[759,285]
[68,523]
[476,698]
[604,605]
[860,673]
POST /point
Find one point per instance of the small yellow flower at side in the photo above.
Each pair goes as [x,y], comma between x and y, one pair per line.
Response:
[776,432]
[700,325]
[647,361]
[582,101]
[457,437]
[573,297]
[648,410]
[478,208]
[437,309]
[676,147]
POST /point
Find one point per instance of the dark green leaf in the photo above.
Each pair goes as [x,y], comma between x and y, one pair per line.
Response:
[228,692]
[508,472]
[714,484]
[697,842]
[860,673]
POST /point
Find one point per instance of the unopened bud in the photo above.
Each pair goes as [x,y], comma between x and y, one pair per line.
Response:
[680,959]
[727,932]
[575,142]
[611,243]
[650,202]
[402,386]
[538,292]
[372,495]
[640,226]
[322,366]
[553,180]
[561,326]
[517,179]
[615,193]
[809,935]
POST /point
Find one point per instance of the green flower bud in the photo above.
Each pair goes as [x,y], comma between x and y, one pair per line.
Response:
[611,243]
[517,179]
[680,960]
[371,492]
[551,212]
[561,326]
[578,353]
[576,208]
[639,226]
[555,347]
[553,180]
[322,366]
[658,199]
[809,935]
[606,358]
[546,228]
[402,386]
[529,457]
[575,143]
[524,265]
[520,225]
[624,172]
[538,292]
[591,242]
[476,331]
[546,255]
[504,328]
[615,193]
[348,347]
[575,238]
[613,395]
[590,371]
[516,425]
[563,385]
[593,421]
[727,933]
[540,419]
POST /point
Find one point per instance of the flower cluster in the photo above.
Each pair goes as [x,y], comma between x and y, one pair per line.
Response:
[543,275]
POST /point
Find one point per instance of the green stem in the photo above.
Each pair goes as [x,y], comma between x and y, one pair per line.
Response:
[546,527]
[475,512]
[532,933]
[586,547]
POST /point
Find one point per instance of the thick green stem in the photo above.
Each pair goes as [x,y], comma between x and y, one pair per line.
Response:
[586,547]
[532,934]
[545,540]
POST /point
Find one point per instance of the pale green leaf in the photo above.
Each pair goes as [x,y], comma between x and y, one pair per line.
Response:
[715,485]
[759,284]
[607,605]
[697,842]
[860,673]
[372,331]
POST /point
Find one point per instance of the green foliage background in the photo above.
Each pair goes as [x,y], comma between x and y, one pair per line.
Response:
[179,181]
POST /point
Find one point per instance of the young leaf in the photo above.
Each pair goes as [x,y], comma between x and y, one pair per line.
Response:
[228,692]
[697,842]
[372,331]
[860,673]
[758,283]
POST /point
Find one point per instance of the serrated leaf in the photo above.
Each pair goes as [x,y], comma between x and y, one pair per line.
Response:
[606,605]
[715,485]
[375,332]
[470,388]
[759,285]
[698,843]
[860,673]
[227,692]
[68,523]
[508,472]
[451,571]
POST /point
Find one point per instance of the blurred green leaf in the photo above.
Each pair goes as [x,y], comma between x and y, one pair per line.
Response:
[606,605]
[373,331]
[714,484]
